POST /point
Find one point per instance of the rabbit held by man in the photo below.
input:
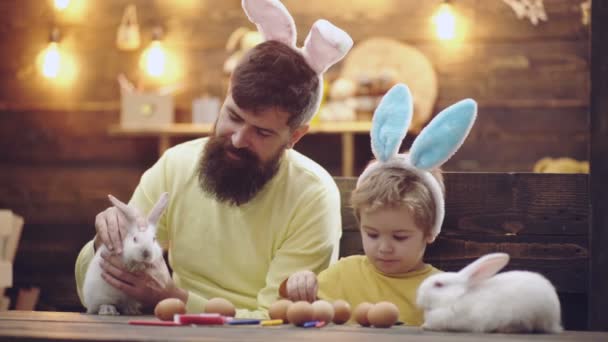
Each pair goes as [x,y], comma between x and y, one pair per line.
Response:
[140,250]
[476,299]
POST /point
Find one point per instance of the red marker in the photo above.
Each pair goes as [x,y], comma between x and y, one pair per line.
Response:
[201,319]
[154,323]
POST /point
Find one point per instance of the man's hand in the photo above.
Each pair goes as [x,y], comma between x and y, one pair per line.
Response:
[147,287]
[302,286]
[111,227]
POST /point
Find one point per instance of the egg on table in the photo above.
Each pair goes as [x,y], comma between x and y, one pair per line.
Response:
[322,311]
[278,309]
[360,314]
[383,315]
[300,312]
[166,308]
[341,311]
[221,306]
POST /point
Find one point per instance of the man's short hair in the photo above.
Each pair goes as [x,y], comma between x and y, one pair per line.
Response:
[274,75]
[395,187]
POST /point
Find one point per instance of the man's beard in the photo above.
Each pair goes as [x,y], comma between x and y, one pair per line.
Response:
[235,181]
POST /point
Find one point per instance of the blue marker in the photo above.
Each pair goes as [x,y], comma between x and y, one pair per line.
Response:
[244,321]
[310,324]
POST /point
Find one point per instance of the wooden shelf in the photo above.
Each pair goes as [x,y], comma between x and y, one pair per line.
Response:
[346,130]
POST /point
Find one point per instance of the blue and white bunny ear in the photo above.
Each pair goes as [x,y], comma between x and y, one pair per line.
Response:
[391,121]
[441,138]
[272,20]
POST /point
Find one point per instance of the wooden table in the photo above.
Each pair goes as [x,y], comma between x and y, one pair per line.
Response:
[347,131]
[69,326]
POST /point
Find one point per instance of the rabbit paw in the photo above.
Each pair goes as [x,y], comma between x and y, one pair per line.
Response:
[132,309]
[108,310]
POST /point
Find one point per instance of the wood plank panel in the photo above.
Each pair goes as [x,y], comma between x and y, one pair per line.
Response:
[541,220]
[59,327]
[495,74]
[598,277]
[63,194]
[55,136]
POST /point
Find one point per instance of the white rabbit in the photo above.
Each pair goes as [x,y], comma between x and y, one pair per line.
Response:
[476,300]
[140,250]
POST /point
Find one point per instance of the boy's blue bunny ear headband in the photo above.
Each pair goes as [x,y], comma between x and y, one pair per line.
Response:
[435,144]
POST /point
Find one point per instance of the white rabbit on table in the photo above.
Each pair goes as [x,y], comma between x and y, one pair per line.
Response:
[140,250]
[476,299]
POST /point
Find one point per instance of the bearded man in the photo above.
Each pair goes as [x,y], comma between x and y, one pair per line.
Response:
[245,209]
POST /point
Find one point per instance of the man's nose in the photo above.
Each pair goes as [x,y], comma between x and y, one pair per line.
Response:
[239,138]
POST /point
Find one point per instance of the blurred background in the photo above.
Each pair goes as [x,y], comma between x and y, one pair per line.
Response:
[89,90]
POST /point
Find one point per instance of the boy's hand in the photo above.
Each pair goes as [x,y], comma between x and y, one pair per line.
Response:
[302,286]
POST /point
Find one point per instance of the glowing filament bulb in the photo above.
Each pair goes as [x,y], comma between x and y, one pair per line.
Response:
[445,22]
[62,4]
[51,62]
[155,59]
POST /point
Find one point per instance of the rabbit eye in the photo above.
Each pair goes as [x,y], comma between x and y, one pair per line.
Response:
[438,284]
[135,239]
[154,239]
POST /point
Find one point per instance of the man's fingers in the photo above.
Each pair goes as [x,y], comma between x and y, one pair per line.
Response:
[290,288]
[128,289]
[113,223]
[302,288]
[311,287]
[102,229]
[118,273]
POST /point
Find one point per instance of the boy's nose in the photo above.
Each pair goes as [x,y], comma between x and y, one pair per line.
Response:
[385,248]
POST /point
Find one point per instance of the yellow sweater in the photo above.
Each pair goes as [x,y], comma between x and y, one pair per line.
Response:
[356,280]
[238,253]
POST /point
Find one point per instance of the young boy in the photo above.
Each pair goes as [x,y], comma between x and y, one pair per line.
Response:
[399,203]
[396,212]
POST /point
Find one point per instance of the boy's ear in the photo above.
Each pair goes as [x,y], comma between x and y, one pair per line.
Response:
[297,134]
[430,238]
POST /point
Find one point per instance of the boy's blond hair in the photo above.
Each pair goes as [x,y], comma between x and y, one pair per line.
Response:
[394,187]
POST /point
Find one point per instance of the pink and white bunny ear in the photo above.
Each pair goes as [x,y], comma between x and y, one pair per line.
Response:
[159,208]
[272,20]
[485,267]
[325,45]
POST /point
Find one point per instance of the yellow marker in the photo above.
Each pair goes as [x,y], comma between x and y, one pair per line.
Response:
[271,322]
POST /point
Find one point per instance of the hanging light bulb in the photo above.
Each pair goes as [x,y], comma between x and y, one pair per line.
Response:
[51,57]
[154,59]
[445,21]
[61,4]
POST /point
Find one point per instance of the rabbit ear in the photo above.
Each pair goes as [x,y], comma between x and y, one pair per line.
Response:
[485,267]
[129,212]
[391,121]
[325,45]
[272,20]
[440,139]
[159,208]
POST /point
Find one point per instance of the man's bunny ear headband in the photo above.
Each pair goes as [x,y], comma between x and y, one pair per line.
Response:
[435,144]
[324,46]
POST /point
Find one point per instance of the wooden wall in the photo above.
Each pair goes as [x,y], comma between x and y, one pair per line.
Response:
[543,230]
[58,163]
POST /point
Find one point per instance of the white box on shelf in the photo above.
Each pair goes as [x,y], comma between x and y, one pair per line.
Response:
[6,274]
[205,109]
[146,109]
[10,233]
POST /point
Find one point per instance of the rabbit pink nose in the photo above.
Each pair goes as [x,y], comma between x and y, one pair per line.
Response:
[145,254]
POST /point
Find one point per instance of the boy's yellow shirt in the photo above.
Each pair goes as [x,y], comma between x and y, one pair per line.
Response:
[356,280]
